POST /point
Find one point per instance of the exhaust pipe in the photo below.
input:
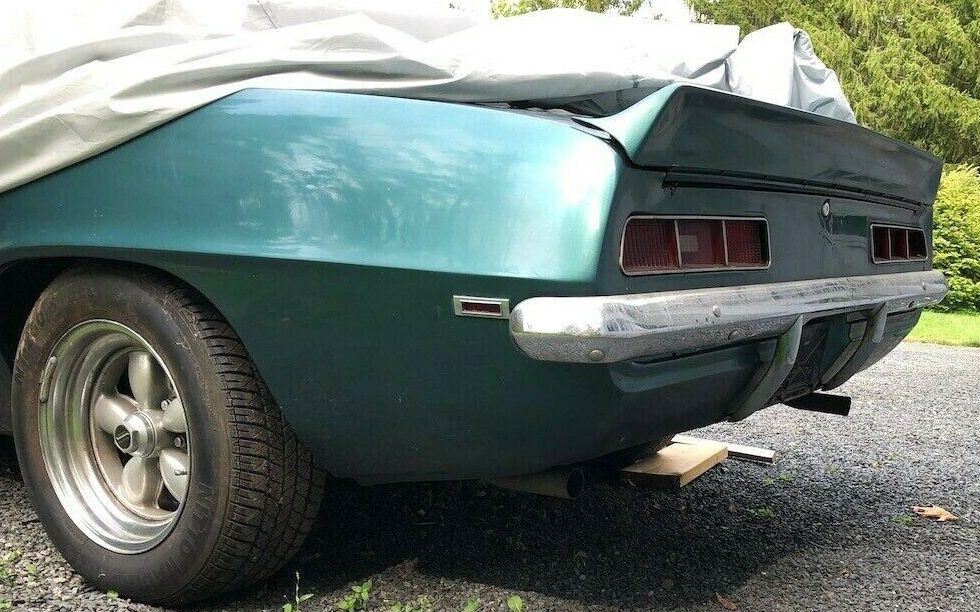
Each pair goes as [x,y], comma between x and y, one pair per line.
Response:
[566,482]
[823,402]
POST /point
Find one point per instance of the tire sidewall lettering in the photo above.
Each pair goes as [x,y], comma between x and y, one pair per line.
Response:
[198,527]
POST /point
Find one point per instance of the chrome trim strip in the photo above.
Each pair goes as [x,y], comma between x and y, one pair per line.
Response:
[607,329]
[677,234]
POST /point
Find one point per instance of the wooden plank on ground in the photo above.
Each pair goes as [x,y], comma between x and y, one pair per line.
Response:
[676,465]
[735,451]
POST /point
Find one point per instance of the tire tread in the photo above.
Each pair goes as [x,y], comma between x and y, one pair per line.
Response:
[269,511]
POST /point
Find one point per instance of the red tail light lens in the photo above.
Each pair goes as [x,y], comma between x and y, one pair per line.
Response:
[702,243]
[746,243]
[882,250]
[654,245]
[899,241]
[917,245]
[895,244]
[649,245]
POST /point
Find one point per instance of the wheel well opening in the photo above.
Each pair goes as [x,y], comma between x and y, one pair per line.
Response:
[23,281]
[21,284]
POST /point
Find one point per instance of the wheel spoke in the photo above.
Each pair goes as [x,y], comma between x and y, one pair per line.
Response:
[147,380]
[173,417]
[175,466]
[110,410]
[141,481]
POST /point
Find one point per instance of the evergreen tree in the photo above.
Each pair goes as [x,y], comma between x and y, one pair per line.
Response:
[507,8]
[910,69]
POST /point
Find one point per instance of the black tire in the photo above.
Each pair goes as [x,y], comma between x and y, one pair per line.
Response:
[253,492]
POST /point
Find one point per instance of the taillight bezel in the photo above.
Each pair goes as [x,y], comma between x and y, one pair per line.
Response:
[889,230]
[726,267]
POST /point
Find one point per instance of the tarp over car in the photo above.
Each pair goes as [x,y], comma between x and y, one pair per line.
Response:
[77,79]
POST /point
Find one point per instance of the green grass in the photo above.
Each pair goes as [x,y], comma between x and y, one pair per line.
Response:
[956,328]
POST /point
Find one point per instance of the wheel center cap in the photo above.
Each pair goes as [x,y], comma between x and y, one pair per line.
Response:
[136,435]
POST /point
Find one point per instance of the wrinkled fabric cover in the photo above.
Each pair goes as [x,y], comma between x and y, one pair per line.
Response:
[78,79]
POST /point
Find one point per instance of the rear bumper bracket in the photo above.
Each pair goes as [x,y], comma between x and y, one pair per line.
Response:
[873,333]
[787,348]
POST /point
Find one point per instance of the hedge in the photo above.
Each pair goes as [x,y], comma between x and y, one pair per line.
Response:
[956,236]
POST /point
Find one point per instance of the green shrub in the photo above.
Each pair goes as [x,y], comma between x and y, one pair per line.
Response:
[956,237]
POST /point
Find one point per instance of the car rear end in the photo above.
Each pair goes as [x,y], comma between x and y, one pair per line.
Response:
[742,224]
[544,290]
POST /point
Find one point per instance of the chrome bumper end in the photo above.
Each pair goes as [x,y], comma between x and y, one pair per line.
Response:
[608,329]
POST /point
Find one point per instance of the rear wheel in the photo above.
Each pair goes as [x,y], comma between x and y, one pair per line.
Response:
[153,452]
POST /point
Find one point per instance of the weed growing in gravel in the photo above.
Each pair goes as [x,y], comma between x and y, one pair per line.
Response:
[295,605]
[422,604]
[472,605]
[783,477]
[11,557]
[112,595]
[32,572]
[515,603]
[5,604]
[905,520]
[764,512]
[358,599]
[7,574]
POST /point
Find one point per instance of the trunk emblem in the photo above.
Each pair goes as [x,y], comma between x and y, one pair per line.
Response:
[826,208]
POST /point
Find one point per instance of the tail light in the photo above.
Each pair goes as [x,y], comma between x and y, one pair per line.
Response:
[655,245]
[895,244]
[746,242]
[650,245]
[702,243]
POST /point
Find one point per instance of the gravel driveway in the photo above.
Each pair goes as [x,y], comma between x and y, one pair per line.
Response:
[829,527]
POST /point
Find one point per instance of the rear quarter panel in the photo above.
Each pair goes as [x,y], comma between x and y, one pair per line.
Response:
[332,231]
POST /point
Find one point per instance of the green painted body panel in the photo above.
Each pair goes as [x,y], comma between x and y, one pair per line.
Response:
[707,133]
[332,230]
[341,178]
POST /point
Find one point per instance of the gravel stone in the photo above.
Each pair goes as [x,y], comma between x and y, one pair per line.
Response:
[828,527]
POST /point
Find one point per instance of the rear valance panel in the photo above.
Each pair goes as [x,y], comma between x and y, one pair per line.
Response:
[702,131]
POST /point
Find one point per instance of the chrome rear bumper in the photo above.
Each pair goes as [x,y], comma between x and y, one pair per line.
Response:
[607,329]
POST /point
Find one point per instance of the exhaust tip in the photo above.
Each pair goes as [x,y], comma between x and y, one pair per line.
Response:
[575,485]
[564,482]
[823,402]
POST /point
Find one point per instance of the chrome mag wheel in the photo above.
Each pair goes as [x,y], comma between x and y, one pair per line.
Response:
[114,436]
[156,458]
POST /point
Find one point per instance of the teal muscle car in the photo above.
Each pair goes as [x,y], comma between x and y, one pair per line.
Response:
[197,325]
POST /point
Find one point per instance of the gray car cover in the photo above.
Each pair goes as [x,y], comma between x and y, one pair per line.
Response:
[78,78]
